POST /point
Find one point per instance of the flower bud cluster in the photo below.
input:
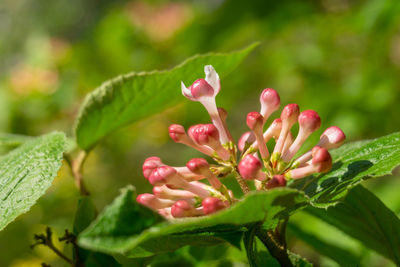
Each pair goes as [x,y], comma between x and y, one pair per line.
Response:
[196,189]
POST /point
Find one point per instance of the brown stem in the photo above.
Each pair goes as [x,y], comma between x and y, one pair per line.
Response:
[77,169]
[46,240]
[71,238]
[280,233]
[60,254]
[274,244]
[245,188]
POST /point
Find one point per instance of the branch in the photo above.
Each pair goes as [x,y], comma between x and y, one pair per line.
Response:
[70,238]
[243,185]
[273,242]
[45,239]
[77,170]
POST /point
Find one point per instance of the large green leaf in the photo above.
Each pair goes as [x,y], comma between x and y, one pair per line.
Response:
[84,215]
[353,163]
[363,216]
[27,172]
[134,96]
[127,228]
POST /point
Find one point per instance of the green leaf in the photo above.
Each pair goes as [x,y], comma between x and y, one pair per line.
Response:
[134,96]
[174,259]
[13,140]
[208,253]
[363,216]
[27,172]
[353,163]
[127,228]
[84,215]
[120,220]
[341,256]
[264,257]
[249,243]
[96,259]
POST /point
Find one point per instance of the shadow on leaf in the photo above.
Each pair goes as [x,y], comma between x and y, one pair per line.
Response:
[333,184]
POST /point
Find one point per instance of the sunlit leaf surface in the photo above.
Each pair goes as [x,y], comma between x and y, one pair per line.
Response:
[27,172]
[134,96]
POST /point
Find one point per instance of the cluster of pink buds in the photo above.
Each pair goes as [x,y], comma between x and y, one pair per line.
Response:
[178,191]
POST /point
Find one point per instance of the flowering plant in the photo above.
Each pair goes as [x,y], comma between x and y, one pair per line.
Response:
[177,192]
[194,205]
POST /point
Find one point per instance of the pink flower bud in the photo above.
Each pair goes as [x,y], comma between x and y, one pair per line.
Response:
[200,166]
[162,175]
[254,120]
[177,132]
[270,102]
[247,137]
[198,90]
[309,121]
[153,202]
[322,159]
[205,91]
[276,181]
[290,113]
[207,135]
[332,137]
[212,205]
[250,168]
[204,134]
[203,88]
[182,208]
[321,162]
[149,165]
[159,192]
[289,116]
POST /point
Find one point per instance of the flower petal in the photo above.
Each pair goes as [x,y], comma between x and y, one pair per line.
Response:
[212,78]
[186,92]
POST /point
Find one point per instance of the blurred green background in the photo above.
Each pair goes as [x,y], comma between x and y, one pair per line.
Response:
[339,57]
